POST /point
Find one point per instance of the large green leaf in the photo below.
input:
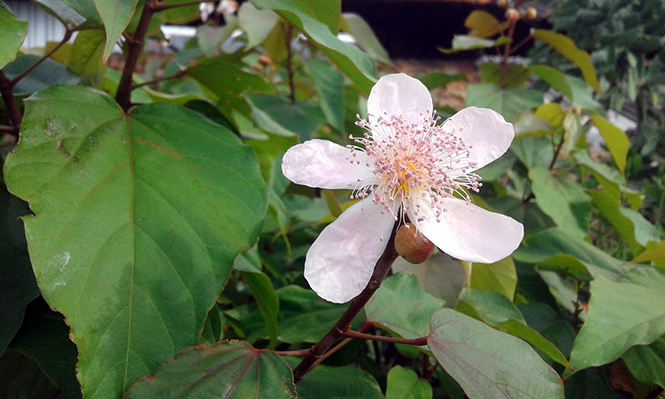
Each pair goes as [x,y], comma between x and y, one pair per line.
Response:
[329,85]
[547,243]
[116,15]
[86,57]
[357,65]
[12,35]
[136,224]
[17,282]
[402,307]
[615,139]
[249,265]
[365,37]
[277,115]
[568,49]
[490,307]
[554,78]
[226,79]
[621,315]
[440,276]
[647,362]
[496,277]
[231,370]
[86,9]
[47,74]
[488,363]
[563,200]
[507,102]
[62,11]
[348,382]
[404,383]
[256,23]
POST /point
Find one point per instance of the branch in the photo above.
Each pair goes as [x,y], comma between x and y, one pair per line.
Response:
[359,335]
[13,130]
[68,35]
[339,346]
[177,75]
[123,95]
[296,353]
[380,271]
[8,98]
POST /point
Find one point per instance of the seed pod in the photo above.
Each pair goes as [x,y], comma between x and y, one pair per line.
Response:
[412,245]
[512,14]
[531,13]
[502,3]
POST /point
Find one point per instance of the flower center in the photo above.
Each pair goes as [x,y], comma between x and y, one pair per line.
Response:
[414,165]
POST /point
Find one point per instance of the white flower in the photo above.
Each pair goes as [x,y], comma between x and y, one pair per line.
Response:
[408,166]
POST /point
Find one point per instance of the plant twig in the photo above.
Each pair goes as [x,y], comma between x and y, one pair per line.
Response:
[520,44]
[177,75]
[339,346]
[295,353]
[13,130]
[506,53]
[382,267]
[359,335]
[123,95]
[8,98]
[557,150]
[289,65]
[68,35]
[163,7]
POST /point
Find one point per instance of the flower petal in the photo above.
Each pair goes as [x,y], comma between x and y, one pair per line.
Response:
[399,94]
[469,232]
[341,261]
[324,164]
[488,134]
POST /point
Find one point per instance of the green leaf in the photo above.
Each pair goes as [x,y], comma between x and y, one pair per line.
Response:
[366,38]
[488,363]
[515,75]
[402,307]
[440,276]
[277,115]
[233,370]
[483,24]
[329,85]
[564,46]
[572,131]
[554,78]
[563,200]
[404,383]
[355,64]
[615,139]
[132,217]
[86,57]
[17,282]
[439,79]
[533,152]
[225,79]
[116,15]
[652,253]
[547,243]
[611,180]
[47,342]
[526,333]
[47,74]
[211,38]
[256,23]
[647,362]
[506,102]
[610,209]
[621,315]
[86,9]
[61,11]
[347,382]
[490,307]
[12,35]
[567,265]
[497,277]
[249,265]
[303,316]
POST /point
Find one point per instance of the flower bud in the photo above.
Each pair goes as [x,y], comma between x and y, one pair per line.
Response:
[502,3]
[412,245]
[512,14]
[531,13]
